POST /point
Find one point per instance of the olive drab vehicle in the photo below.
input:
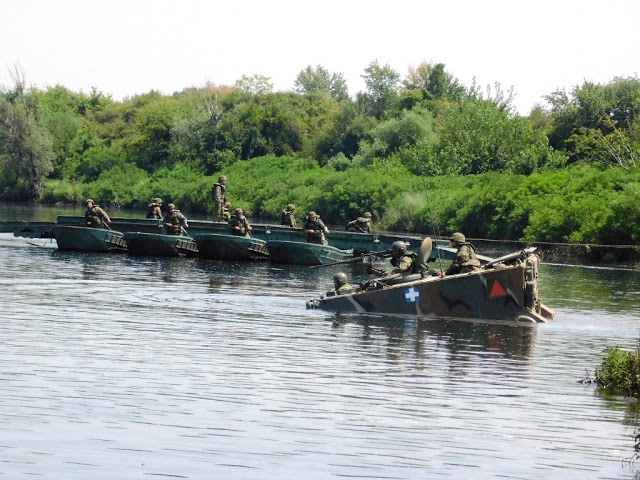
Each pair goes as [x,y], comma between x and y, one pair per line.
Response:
[504,289]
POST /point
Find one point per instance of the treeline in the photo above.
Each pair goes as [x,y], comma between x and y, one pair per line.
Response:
[422,151]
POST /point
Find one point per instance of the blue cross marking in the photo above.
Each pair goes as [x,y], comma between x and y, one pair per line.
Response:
[411,294]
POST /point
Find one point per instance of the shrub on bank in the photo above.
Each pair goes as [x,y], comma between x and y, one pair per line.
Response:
[619,372]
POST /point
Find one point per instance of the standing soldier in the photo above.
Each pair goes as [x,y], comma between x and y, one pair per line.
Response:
[315,229]
[220,198]
[287,216]
[153,209]
[175,222]
[239,224]
[361,224]
[94,216]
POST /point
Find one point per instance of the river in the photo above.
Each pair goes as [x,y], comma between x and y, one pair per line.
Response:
[121,367]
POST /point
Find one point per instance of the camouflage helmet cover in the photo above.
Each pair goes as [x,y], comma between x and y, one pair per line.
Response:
[171,206]
[291,207]
[157,200]
[458,237]
[340,279]
[88,200]
[312,214]
[367,215]
[222,177]
[239,210]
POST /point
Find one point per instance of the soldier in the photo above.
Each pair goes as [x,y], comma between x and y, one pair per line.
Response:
[315,229]
[403,260]
[153,209]
[466,260]
[226,212]
[175,222]
[361,224]
[340,284]
[287,216]
[220,198]
[94,216]
[239,224]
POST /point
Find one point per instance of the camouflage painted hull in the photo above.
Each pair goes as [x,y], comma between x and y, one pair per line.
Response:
[300,253]
[506,289]
[85,239]
[218,246]
[160,245]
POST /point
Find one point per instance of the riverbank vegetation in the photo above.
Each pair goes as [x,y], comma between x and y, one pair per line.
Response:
[423,152]
[619,372]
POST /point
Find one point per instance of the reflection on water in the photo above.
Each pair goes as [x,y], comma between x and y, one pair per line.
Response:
[116,366]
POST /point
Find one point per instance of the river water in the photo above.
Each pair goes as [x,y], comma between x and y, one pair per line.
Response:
[121,367]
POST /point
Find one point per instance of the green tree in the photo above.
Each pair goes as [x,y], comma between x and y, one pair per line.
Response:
[26,150]
[255,84]
[382,88]
[319,80]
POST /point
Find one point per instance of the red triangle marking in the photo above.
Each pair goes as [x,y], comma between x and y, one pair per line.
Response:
[497,290]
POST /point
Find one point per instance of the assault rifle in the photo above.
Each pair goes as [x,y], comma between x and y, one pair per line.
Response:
[359,258]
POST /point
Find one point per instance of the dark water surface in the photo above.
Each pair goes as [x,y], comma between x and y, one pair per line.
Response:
[118,367]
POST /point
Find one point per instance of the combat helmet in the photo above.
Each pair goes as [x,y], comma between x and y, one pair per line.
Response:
[399,246]
[89,200]
[238,210]
[340,279]
[312,214]
[458,237]
[171,206]
[367,215]
[291,207]
[157,200]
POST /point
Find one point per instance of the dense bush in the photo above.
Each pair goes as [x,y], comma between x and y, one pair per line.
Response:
[619,372]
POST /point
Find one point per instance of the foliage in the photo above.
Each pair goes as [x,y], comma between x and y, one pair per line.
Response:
[619,372]
[594,118]
[255,84]
[319,80]
[382,88]
[26,147]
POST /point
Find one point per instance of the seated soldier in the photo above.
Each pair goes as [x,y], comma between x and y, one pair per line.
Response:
[315,229]
[361,224]
[341,286]
[466,260]
[175,222]
[287,216]
[403,260]
[239,224]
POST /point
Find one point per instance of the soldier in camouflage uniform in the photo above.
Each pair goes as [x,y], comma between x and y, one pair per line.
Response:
[287,216]
[220,198]
[403,260]
[226,212]
[175,222]
[466,260]
[153,209]
[239,224]
[94,216]
[315,229]
[361,224]
[340,284]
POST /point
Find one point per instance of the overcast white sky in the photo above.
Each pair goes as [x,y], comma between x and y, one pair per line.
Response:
[130,47]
